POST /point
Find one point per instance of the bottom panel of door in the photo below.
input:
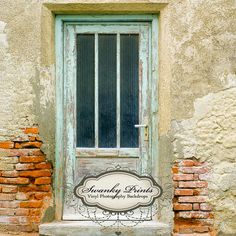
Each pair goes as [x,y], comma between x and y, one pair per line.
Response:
[73,208]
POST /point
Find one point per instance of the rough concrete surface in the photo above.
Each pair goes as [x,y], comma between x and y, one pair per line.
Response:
[197,88]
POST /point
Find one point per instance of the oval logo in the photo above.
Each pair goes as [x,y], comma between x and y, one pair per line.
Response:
[118,191]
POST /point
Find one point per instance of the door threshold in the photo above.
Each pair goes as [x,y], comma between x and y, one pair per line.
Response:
[89,228]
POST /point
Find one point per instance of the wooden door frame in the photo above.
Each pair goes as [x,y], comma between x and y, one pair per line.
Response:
[60,96]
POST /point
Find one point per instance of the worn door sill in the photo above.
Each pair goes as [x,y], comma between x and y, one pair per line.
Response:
[88,228]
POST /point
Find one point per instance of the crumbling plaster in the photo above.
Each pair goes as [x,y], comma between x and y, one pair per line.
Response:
[210,136]
[196,85]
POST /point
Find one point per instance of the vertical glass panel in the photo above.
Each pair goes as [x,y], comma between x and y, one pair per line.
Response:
[107,90]
[85,90]
[129,90]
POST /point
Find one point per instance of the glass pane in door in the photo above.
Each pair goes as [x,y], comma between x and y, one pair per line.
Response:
[107,90]
[129,89]
[85,90]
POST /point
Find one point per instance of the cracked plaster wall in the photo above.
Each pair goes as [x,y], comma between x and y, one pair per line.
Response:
[196,87]
[203,91]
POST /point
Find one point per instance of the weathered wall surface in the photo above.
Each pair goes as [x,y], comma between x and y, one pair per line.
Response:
[197,89]
[203,90]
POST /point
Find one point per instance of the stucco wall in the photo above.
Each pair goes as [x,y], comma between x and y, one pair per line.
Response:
[197,88]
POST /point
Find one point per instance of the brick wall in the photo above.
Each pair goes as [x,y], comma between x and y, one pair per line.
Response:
[25,182]
[25,188]
[193,214]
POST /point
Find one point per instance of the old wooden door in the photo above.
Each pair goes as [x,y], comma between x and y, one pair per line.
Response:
[107,100]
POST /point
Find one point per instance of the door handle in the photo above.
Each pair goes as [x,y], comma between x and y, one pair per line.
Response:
[145,130]
[140,126]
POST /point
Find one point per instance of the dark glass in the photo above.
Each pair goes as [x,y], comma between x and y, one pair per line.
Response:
[129,91]
[85,90]
[107,90]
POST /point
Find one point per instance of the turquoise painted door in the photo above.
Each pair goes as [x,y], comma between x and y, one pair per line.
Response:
[107,101]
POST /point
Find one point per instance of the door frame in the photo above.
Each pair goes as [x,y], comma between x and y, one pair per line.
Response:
[60,150]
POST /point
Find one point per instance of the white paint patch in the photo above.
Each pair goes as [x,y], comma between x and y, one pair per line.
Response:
[228,81]
[231,79]
[3,35]
[202,106]
[210,133]
[47,86]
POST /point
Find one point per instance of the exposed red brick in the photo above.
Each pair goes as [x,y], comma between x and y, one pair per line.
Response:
[22,196]
[7,196]
[201,229]
[17,145]
[18,180]
[193,199]
[193,184]
[20,152]
[205,207]
[182,207]
[35,173]
[175,170]
[32,138]
[10,173]
[28,145]
[21,138]
[43,165]
[9,204]
[22,212]
[196,206]
[193,214]
[40,196]
[187,163]
[31,204]
[201,191]
[183,177]
[35,212]
[35,219]
[27,151]
[28,166]
[9,219]
[6,144]
[21,228]
[34,188]
[196,176]
[42,180]
[26,159]
[6,211]
[195,230]
[24,219]
[9,189]
[38,138]
[12,160]
[6,166]
[33,130]
[191,227]
[185,232]
[194,170]
[184,192]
